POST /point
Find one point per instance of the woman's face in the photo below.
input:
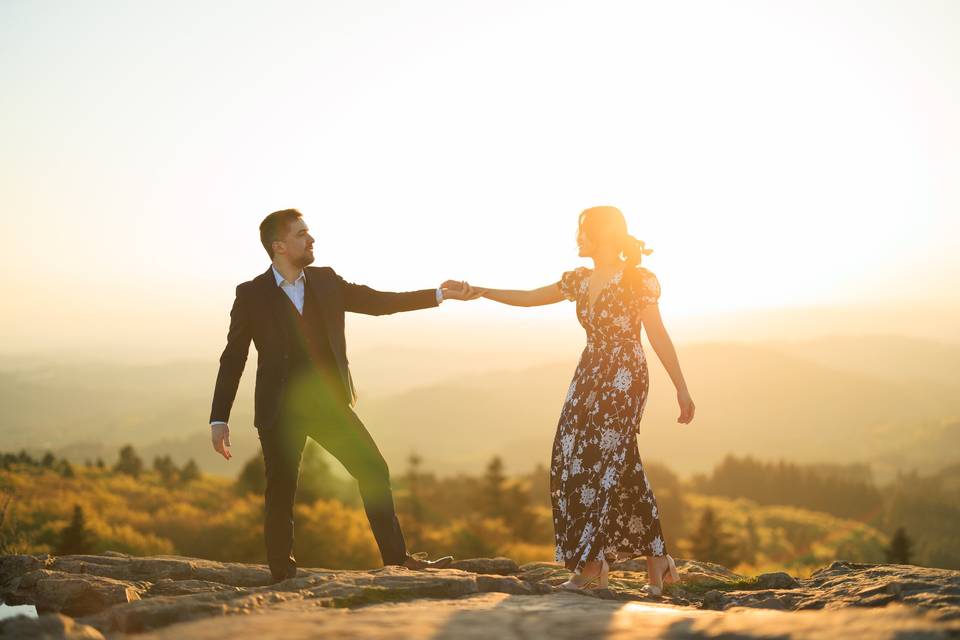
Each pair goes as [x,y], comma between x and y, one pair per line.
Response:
[592,247]
[584,246]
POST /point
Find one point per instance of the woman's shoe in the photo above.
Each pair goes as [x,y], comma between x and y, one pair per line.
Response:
[413,562]
[671,571]
[602,578]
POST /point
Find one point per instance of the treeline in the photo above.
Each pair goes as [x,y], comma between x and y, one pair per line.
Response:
[468,516]
[922,512]
[845,491]
[131,507]
[497,512]
[747,515]
[128,462]
[48,461]
[37,528]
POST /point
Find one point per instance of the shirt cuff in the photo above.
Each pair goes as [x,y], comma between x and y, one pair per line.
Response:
[217,422]
[439,295]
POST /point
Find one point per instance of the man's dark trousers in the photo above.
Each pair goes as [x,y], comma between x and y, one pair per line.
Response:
[313,405]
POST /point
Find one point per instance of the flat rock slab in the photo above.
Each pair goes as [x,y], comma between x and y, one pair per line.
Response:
[72,594]
[847,584]
[557,616]
[46,627]
[172,596]
[495,566]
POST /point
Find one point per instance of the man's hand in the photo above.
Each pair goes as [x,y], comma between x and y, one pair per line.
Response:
[221,440]
[460,290]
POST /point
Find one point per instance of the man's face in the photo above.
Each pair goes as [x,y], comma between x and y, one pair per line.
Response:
[297,244]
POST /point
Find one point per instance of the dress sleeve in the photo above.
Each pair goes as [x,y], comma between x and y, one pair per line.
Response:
[569,283]
[649,290]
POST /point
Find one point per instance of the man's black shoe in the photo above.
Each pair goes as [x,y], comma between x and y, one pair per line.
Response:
[291,573]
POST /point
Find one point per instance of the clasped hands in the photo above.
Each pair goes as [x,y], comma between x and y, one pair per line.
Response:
[460,290]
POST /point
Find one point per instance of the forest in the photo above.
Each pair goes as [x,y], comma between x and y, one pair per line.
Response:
[747,514]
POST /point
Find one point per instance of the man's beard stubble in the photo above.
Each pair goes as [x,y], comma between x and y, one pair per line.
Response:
[305,260]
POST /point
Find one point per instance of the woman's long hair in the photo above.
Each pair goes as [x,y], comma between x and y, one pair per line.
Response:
[607,224]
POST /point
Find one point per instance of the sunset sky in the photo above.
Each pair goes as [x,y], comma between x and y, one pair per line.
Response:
[774,155]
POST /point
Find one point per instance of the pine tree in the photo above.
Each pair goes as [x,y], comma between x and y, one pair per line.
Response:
[190,471]
[129,462]
[166,469]
[751,542]
[494,488]
[252,477]
[413,484]
[48,460]
[901,547]
[75,537]
[10,534]
[711,542]
[414,503]
[317,481]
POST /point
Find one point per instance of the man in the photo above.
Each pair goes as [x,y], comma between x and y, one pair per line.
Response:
[295,316]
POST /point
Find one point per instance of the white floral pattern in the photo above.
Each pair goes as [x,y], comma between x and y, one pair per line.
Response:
[609,478]
[609,440]
[657,546]
[595,457]
[567,443]
[623,379]
[587,494]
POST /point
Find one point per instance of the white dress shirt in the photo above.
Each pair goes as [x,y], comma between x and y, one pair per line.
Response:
[294,291]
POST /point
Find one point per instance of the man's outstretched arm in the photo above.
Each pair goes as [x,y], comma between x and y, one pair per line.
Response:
[232,363]
[359,298]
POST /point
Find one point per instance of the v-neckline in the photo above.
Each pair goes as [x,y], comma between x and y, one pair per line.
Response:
[592,303]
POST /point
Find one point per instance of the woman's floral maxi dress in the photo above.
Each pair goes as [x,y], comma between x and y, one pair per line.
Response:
[602,501]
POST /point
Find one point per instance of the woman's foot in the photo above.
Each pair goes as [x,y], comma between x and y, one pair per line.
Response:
[592,571]
[661,570]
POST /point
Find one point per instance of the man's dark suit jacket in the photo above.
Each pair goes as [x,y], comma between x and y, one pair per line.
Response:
[258,315]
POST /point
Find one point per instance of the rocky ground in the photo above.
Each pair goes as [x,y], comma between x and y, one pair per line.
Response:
[115,595]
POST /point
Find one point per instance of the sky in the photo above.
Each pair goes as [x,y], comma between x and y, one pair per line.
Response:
[774,155]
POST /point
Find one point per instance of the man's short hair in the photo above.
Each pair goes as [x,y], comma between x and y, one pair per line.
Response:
[275,226]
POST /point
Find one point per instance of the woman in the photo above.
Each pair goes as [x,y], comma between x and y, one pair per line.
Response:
[603,505]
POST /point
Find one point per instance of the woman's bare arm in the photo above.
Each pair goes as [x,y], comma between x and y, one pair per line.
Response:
[531,298]
[663,346]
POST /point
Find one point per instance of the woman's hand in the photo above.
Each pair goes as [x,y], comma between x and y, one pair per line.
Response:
[687,407]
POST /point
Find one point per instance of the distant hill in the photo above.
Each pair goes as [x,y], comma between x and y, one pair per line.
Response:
[891,401]
[886,356]
[86,409]
[751,400]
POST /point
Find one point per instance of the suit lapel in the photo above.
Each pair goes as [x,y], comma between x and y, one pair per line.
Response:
[321,295]
[273,298]
[320,287]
